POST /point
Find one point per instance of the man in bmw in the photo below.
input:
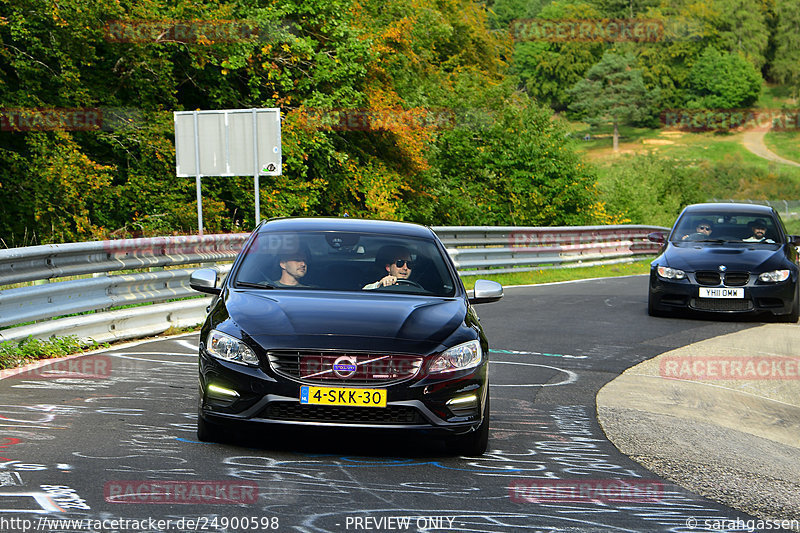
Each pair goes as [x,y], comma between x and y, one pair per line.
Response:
[406,356]
[748,265]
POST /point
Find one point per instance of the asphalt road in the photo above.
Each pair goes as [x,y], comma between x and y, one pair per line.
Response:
[114,446]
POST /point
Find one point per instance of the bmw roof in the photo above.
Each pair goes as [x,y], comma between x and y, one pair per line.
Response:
[732,208]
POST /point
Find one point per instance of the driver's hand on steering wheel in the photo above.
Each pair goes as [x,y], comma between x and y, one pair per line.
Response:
[388,280]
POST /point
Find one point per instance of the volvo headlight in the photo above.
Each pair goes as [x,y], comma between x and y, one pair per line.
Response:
[463,356]
[671,273]
[775,276]
[230,348]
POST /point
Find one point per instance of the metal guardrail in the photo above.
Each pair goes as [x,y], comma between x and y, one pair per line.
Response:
[482,250]
[475,250]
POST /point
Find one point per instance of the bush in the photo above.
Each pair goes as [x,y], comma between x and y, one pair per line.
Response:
[14,354]
[650,190]
[721,80]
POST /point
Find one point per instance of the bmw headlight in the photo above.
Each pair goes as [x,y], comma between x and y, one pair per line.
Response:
[230,348]
[463,356]
[775,276]
[671,273]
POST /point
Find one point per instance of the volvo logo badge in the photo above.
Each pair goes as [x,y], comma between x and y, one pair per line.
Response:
[723,268]
[344,367]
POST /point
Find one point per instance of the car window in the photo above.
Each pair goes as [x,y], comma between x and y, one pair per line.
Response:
[721,226]
[344,261]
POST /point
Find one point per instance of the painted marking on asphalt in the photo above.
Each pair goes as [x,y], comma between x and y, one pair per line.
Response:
[153,360]
[187,344]
[181,354]
[572,377]
[519,352]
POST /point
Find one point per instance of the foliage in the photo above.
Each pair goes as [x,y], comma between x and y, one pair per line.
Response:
[547,70]
[519,168]
[13,354]
[785,66]
[613,92]
[742,28]
[135,63]
[504,12]
[732,178]
[722,80]
[650,190]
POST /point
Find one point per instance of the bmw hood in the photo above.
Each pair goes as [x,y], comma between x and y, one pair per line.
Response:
[356,322]
[692,257]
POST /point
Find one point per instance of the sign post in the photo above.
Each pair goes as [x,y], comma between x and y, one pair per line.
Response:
[228,142]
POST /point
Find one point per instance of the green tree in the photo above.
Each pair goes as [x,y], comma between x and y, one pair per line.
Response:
[308,57]
[516,167]
[548,69]
[504,12]
[623,8]
[785,66]
[742,27]
[723,80]
[613,92]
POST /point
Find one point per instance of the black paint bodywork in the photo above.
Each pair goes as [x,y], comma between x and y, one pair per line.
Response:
[724,256]
[343,321]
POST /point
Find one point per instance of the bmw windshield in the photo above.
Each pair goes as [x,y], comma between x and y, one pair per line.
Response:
[722,227]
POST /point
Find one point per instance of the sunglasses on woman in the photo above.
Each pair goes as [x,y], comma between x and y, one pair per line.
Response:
[400,262]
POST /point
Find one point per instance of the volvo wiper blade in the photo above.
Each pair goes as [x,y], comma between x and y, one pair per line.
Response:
[252,285]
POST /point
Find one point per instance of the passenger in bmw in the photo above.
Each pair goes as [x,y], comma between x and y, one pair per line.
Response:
[396,261]
[702,231]
[758,228]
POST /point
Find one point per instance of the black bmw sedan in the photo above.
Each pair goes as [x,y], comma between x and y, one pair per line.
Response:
[726,258]
[345,323]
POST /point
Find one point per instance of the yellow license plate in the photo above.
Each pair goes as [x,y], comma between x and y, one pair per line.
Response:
[343,396]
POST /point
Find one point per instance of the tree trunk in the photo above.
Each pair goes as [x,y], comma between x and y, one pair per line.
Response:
[616,137]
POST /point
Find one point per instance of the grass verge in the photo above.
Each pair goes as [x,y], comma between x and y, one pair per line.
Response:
[14,354]
[563,274]
[784,143]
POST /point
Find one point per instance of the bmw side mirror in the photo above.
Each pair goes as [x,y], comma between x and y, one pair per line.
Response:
[486,292]
[657,236]
[205,280]
[794,240]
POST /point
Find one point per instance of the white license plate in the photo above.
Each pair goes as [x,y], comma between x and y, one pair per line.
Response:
[343,396]
[708,292]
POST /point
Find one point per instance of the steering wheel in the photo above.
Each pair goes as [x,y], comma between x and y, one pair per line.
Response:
[402,281]
[401,285]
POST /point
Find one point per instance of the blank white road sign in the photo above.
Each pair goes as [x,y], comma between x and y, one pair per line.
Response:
[228,142]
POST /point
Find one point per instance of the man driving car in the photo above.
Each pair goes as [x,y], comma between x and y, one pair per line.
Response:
[396,261]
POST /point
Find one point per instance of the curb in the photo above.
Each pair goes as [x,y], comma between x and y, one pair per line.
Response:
[730,435]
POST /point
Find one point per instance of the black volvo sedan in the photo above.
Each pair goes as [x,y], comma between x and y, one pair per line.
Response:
[345,323]
[726,258]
